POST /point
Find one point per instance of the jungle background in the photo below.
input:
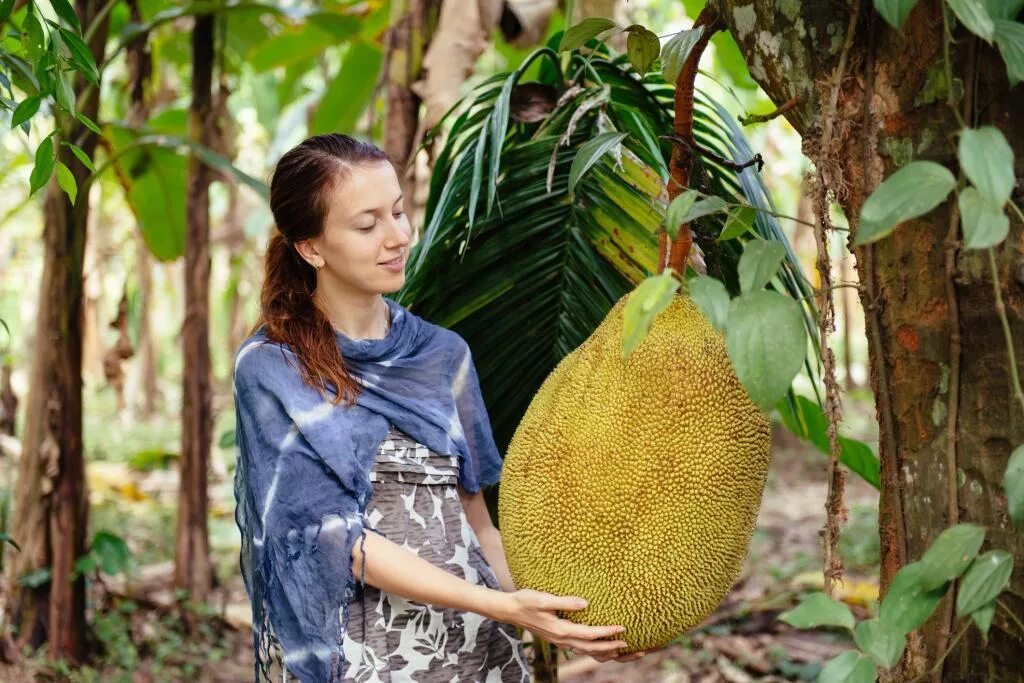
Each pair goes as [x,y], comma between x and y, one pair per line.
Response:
[138,139]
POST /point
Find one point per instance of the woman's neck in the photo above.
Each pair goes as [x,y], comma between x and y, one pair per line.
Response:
[357,317]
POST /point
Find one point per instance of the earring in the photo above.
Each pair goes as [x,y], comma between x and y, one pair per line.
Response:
[318,264]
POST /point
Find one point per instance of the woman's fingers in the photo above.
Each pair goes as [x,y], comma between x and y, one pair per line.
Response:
[562,603]
[584,632]
[592,647]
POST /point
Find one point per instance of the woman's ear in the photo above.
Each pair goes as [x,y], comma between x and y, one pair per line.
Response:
[308,251]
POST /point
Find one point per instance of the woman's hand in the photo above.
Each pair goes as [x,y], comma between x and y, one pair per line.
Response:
[535,611]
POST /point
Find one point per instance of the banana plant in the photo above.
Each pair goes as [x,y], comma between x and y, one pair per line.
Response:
[544,209]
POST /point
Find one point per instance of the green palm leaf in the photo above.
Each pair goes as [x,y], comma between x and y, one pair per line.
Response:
[525,275]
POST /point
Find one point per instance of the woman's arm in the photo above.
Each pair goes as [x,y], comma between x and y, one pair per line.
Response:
[490,540]
[393,569]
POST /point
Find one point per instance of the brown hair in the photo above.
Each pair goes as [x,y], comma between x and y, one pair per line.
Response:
[299,191]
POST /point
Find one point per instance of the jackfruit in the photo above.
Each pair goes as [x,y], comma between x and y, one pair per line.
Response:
[636,483]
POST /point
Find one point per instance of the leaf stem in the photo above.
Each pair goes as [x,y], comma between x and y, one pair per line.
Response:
[947,39]
[1013,617]
[1001,311]
[935,667]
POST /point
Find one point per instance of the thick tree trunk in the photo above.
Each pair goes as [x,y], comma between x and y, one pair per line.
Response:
[193,570]
[947,418]
[50,503]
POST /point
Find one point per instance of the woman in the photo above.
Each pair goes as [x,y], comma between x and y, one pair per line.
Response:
[367,549]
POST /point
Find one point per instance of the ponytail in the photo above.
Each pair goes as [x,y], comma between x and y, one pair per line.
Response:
[292,317]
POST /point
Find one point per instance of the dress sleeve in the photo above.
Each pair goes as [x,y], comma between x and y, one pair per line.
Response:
[483,462]
[299,511]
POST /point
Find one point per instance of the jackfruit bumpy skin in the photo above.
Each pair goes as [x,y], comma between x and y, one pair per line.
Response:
[636,484]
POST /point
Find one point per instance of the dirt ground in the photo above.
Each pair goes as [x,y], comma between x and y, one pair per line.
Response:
[742,641]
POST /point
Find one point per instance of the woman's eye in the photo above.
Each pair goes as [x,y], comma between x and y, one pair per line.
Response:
[399,213]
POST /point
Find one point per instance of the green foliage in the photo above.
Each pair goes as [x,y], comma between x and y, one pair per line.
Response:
[819,610]
[907,604]
[880,641]
[894,11]
[108,553]
[950,554]
[806,420]
[986,578]
[1009,37]
[676,50]
[712,298]
[578,35]
[848,667]
[984,222]
[651,297]
[588,155]
[642,47]
[766,363]
[348,94]
[974,15]
[759,263]
[1013,484]
[912,191]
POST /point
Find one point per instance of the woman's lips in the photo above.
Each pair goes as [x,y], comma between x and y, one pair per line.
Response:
[395,266]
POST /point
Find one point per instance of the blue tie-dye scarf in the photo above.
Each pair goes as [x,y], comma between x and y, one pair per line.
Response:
[302,480]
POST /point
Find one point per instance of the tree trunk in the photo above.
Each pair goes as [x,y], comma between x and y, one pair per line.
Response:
[405,57]
[193,569]
[50,503]
[947,418]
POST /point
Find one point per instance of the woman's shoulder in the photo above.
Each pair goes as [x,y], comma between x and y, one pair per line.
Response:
[259,355]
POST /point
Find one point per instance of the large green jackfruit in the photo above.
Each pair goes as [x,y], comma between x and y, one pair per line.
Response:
[636,483]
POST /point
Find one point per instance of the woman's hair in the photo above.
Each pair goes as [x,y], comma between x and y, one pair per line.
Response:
[299,199]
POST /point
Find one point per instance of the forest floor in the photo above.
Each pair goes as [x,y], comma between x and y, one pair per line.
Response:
[143,638]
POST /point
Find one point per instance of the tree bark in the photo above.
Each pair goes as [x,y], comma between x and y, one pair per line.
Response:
[937,356]
[193,569]
[50,503]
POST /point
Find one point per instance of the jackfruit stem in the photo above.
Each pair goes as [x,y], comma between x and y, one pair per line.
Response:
[676,254]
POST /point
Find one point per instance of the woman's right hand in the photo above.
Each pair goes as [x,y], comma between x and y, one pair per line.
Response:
[536,612]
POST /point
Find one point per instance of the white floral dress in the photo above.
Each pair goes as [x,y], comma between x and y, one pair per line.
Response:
[393,640]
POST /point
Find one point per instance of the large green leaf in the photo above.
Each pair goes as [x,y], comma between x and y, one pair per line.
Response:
[348,94]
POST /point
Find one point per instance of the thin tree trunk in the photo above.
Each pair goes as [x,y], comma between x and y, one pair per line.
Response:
[146,384]
[50,503]
[947,418]
[140,67]
[193,569]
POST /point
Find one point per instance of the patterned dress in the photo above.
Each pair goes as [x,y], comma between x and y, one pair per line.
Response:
[390,639]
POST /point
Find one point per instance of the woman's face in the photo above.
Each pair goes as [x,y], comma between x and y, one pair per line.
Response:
[366,227]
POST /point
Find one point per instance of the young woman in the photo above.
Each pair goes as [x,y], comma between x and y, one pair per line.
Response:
[367,549]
